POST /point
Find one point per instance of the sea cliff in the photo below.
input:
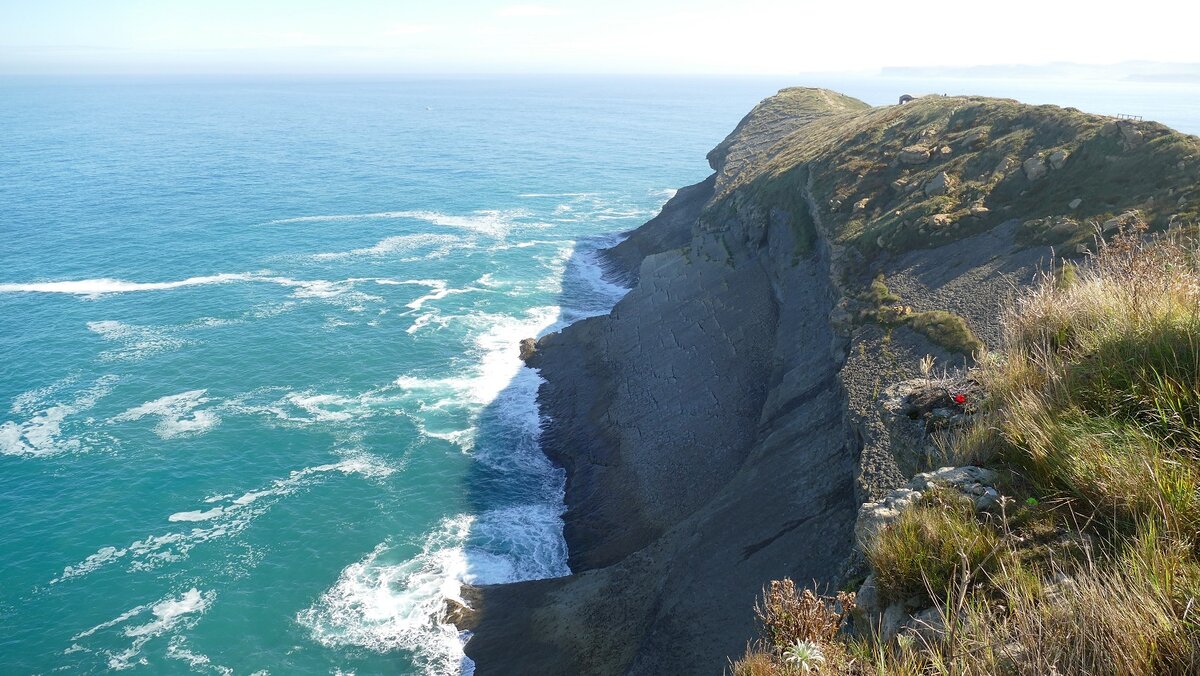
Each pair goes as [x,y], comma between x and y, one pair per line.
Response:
[721,426]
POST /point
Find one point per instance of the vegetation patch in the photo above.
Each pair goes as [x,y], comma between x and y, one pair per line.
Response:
[942,328]
[1090,562]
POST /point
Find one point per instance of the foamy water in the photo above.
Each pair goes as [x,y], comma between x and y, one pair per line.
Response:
[284,451]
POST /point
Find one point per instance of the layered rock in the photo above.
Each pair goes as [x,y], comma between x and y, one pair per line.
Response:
[722,425]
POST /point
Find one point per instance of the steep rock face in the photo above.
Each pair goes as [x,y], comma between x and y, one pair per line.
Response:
[721,426]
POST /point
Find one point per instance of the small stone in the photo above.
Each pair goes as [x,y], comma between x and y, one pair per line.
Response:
[861,205]
[867,597]
[945,150]
[979,210]
[1075,203]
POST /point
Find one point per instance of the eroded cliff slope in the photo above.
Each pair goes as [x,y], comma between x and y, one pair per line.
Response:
[721,426]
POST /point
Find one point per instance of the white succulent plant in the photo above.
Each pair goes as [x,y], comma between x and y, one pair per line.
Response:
[805,656]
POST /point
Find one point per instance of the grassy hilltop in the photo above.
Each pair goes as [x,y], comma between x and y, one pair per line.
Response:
[896,178]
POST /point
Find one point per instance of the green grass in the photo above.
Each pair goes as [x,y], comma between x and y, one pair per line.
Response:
[945,329]
[930,549]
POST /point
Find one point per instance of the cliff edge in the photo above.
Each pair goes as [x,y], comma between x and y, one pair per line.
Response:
[722,424]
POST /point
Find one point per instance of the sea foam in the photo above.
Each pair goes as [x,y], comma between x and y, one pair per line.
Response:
[178,414]
[167,616]
[42,433]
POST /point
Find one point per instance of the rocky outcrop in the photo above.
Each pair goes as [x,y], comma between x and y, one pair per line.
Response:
[723,424]
[914,155]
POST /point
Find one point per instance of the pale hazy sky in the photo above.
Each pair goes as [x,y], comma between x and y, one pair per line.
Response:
[607,36]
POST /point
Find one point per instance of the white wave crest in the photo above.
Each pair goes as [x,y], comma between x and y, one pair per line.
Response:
[177,414]
[168,615]
[92,288]
[384,604]
[490,222]
[41,434]
[397,244]
[105,285]
[224,520]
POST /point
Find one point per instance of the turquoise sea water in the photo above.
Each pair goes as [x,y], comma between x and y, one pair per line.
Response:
[260,403]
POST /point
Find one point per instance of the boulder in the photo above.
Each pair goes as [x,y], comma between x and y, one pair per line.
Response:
[927,626]
[1130,134]
[891,623]
[915,154]
[975,137]
[959,478]
[528,348]
[873,517]
[1058,158]
[1004,166]
[1075,203]
[867,597]
[940,184]
[1127,220]
[941,220]
[1035,168]
[861,205]
[973,482]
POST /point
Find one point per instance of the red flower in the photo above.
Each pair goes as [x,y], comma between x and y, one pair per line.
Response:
[960,399]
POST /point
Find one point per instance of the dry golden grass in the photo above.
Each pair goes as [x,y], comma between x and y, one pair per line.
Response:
[1093,419]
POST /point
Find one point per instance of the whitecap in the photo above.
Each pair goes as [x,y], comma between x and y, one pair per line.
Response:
[490,222]
[233,517]
[384,604]
[41,434]
[105,285]
[197,515]
[310,288]
[177,414]
[168,615]
[397,244]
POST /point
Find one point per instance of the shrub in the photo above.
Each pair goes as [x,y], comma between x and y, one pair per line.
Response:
[754,663]
[787,616]
[946,329]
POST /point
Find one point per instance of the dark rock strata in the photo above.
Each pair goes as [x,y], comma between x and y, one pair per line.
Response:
[704,433]
[720,427]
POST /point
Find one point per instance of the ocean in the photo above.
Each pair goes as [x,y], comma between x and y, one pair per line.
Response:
[261,409]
